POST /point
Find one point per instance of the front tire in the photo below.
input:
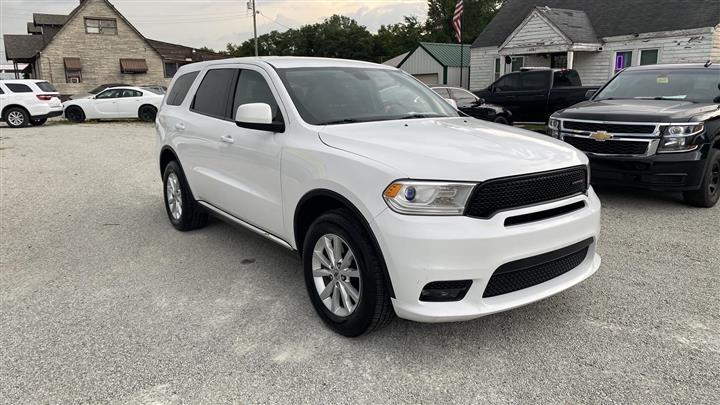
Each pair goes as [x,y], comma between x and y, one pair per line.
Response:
[75,114]
[184,212]
[344,275]
[147,113]
[17,117]
[37,123]
[501,120]
[709,193]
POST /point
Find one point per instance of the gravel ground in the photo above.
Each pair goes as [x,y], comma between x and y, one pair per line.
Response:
[103,301]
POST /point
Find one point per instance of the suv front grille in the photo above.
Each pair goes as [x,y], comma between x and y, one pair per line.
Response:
[607,127]
[535,270]
[501,194]
[609,147]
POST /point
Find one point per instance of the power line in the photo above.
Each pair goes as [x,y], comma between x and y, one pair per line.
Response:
[274,20]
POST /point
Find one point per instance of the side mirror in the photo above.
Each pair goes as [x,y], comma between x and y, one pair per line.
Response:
[257,116]
[451,102]
[589,94]
[480,101]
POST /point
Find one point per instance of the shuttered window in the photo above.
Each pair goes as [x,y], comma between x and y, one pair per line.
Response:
[133,66]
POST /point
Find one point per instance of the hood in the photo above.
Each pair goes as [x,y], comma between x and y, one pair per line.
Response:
[459,149]
[638,110]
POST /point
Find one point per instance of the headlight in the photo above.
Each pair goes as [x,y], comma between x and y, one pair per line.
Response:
[678,138]
[554,128]
[427,197]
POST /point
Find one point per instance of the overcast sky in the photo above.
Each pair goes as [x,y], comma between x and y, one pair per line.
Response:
[214,23]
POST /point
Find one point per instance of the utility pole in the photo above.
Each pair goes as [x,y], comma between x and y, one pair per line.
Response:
[251,5]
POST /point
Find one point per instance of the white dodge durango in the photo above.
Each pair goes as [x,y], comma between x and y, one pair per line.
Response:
[395,201]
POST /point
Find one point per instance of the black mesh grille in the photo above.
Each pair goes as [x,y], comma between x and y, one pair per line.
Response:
[448,285]
[611,147]
[519,191]
[504,281]
[611,128]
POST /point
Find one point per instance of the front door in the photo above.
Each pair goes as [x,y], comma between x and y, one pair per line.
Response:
[105,104]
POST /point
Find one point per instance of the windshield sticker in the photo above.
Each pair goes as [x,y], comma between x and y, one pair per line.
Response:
[662,80]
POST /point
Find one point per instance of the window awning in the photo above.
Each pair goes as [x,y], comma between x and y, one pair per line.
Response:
[133,66]
[72,64]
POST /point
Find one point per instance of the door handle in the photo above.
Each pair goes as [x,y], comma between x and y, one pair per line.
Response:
[180,126]
[227,139]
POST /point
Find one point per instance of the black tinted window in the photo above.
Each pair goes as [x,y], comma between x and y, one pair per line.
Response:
[509,82]
[130,93]
[534,81]
[569,78]
[115,93]
[18,88]
[45,86]
[252,88]
[181,88]
[212,95]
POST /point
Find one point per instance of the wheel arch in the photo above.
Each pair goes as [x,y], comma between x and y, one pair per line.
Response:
[167,155]
[318,201]
[9,106]
[147,105]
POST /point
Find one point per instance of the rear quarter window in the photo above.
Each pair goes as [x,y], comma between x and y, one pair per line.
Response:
[47,87]
[180,88]
[569,78]
[18,88]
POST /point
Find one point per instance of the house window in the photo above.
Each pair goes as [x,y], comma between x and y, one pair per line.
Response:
[516,63]
[171,68]
[103,26]
[497,72]
[649,56]
[622,60]
[558,61]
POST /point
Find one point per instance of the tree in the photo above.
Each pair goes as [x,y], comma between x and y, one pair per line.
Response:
[477,15]
[395,39]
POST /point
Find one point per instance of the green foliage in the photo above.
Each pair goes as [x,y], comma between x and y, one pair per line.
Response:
[342,37]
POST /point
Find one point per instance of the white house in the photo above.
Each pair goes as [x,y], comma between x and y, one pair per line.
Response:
[596,37]
[435,63]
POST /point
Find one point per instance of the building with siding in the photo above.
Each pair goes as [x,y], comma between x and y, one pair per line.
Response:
[596,37]
[93,45]
[434,63]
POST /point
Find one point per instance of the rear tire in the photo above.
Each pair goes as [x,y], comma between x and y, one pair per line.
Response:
[147,113]
[184,212]
[501,120]
[75,114]
[709,193]
[37,123]
[17,117]
[362,278]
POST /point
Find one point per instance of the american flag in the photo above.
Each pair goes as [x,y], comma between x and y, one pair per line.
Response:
[457,20]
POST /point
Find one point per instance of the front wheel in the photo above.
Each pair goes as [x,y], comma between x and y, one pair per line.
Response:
[75,114]
[184,212]
[709,193]
[344,275]
[502,120]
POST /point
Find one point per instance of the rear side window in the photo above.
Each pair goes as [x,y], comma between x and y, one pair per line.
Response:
[534,81]
[45,86]
[443,92]
[181,88]
[18,88]
[566,79]
[463,96]
[212,95]
[252,88]
[130,93]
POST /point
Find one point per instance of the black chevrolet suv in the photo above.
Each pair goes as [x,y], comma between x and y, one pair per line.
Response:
[656,127]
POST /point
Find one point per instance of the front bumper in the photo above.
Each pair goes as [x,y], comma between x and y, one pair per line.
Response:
[663,172]
[420,249]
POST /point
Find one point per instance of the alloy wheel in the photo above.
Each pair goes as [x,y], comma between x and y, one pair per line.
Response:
[15,118]
[336,275]
[714,178]
[174,196]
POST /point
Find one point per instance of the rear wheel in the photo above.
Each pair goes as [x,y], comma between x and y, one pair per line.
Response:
[502,120]
[37,123]
[709,192]
[344,275]
[184,212]
[17,117]
[147,113]
[75,114]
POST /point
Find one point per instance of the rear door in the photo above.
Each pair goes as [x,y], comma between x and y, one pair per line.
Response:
[532,97]
[128,103]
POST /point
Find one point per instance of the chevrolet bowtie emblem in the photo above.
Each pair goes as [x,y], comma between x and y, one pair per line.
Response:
[601,136]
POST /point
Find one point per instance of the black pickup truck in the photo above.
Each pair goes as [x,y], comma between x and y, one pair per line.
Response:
[656,127]
[532,94]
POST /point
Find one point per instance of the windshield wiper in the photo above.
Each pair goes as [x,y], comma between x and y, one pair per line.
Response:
[342,121]
[418,115]
[671,98]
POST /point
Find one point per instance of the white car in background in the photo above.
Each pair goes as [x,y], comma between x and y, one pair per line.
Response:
[24,102]
[113,103]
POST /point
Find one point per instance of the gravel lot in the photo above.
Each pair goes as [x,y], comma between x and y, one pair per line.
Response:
[103,301]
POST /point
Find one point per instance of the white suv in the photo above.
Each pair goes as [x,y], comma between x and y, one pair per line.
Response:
[32,102]
[396,203]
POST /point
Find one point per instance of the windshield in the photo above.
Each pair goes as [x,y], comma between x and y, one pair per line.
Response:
[328,96]
[696,85]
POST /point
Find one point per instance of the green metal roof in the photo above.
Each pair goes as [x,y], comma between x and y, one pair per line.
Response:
[448,54]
